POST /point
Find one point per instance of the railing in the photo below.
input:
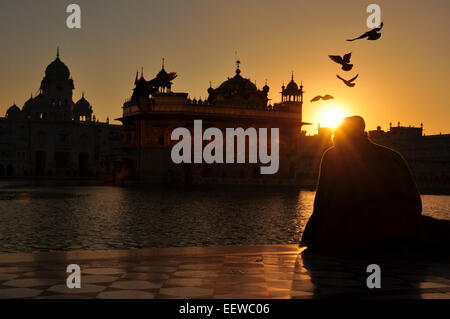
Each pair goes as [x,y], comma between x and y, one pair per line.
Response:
[213,110]
[222,111]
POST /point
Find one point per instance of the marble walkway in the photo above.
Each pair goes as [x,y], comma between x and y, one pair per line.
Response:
[268,271]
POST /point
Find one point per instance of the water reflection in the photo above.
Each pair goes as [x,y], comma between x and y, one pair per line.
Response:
[63,218]
[113,217]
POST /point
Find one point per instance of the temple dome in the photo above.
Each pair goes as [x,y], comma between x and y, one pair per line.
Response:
[292,92]
[34,106]
[13,112]
[162,83]
[237,83]
[82,105]
[57,69]
[238,92]
[82,110]
[292,88]
[162,74]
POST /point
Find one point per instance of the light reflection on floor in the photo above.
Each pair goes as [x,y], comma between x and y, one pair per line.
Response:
[269,271]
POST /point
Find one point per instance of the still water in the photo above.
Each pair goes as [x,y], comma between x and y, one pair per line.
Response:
[102,217]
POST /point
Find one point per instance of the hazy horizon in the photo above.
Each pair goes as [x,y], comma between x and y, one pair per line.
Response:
[403,77]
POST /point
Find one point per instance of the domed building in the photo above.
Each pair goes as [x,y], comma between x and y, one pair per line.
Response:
[38,108]
[292,93]
[13,113]
[57,86]
[291,97]
[238,92]
[154,111]
[54,101]
[144,92]
[53,137]
[28,106]
[163,80]
[57,70]
[82,110]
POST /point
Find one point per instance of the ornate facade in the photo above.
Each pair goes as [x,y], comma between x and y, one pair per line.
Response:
[154,111]
[53,137]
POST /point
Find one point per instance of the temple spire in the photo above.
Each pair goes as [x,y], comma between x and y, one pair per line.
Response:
[57,52]
[163,63]
[238,63]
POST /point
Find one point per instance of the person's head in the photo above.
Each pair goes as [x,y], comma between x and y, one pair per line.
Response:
[350,131]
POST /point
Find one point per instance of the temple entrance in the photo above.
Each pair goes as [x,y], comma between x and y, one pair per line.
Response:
[62,163]
[39,160]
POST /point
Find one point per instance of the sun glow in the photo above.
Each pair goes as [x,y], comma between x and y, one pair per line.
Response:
[331,116]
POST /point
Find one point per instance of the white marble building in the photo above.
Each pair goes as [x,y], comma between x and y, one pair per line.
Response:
[53,137]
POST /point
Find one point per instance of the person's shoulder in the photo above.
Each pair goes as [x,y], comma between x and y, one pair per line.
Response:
[329,155]
[329,152]
[387,152]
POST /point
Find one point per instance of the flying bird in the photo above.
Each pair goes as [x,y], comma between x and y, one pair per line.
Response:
[349,82]
[320,97]
[344,61]
[373,34]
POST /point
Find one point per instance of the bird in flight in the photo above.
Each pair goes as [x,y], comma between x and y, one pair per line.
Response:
[344,61]
[373,34]
[320,97]
[349,83]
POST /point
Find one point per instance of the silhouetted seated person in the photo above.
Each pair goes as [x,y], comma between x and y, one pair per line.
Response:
[366,198]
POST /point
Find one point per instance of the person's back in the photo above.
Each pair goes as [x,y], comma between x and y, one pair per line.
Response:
[365,195]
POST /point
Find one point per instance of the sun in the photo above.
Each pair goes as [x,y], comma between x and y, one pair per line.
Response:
[331,116]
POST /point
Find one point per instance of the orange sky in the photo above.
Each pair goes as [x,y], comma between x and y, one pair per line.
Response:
[404,76]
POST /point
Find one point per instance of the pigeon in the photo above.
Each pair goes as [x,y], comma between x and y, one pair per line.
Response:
[319,97]
[344,61]
[349,82]
[370,35]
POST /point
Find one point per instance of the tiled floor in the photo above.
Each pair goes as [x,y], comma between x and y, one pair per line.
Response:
[272,271]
